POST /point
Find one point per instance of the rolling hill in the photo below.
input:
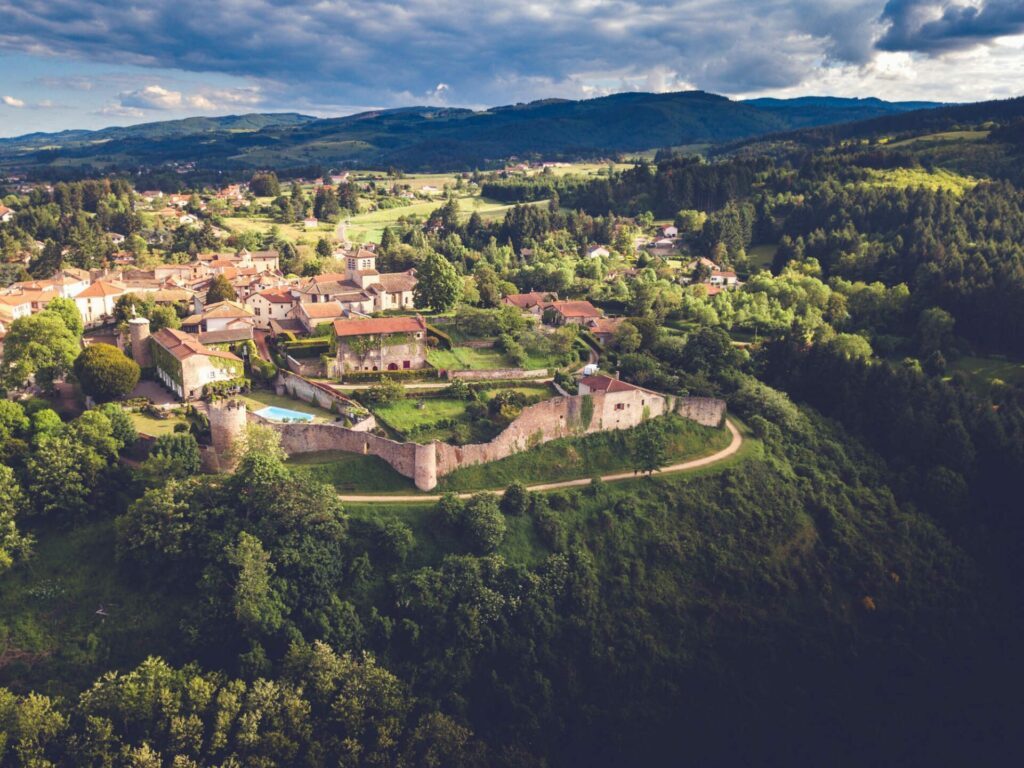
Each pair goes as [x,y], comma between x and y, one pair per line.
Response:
[418,138]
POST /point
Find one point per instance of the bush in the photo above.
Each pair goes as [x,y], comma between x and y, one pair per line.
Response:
[516,500]
[182,449]
[360,377]
[551,530]
[482,523]
[393,539]
[384,392]
[105,373]
[443,339]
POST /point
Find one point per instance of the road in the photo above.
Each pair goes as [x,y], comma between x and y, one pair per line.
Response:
[734,445]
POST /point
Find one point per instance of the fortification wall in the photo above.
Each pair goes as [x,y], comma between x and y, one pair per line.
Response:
[552,419]
[708,411]
[310,438]
[311,392]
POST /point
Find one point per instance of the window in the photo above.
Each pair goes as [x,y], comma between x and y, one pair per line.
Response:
[406,364]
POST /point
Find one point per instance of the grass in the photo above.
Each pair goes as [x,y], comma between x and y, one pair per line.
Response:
[350,471]
[293,232]
[51,637]
[470,359]
[404,416]
[932,138]
[572,458]
[935,180]
[258,398]
[370,226]
[761,257]
[148,425]
[985,373]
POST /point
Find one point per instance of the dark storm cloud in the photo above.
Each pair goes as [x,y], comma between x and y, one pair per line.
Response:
[364,51]
[932,27]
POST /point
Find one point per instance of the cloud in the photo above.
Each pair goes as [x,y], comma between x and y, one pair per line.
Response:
[940,26]
[10,101]
[157,97]
[333,53]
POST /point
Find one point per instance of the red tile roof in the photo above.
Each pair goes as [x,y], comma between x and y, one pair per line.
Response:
[183,345]
[601,383]
[576,309]
[379,325]
[99,289]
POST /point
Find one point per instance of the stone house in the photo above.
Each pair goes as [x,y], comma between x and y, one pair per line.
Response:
[381,343]
[361,288]
[272,304]
[96,303]
[184,364]
[574,312]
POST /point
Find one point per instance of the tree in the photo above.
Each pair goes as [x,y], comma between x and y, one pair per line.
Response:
[934,331]
[156,524]
[40,346]
[439,285]
[68,311]
[265,185]
[649,447]
[121,425]
[220,290]
[13,504]
[483,523]
[324,249]
[257,604]
[182,450]
[57,483]
[105,373]
[516,500]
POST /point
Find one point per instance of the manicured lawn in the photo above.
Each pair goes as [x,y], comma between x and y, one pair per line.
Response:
[572,458]
[406,415]
[470,359]
[350,471]
[148,425]
[51,637]
[260,398]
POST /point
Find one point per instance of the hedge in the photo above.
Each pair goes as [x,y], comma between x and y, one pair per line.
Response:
[356,377]
[444,338]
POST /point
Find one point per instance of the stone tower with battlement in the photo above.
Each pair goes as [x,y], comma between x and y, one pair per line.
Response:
[139,334]
[228,419]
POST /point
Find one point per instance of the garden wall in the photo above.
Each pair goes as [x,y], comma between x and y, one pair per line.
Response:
[499,374]
[312,392]
[708,411]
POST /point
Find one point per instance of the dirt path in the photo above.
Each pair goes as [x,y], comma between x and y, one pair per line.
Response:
[734,445]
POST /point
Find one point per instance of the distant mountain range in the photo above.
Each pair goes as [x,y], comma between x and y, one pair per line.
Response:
[430,138]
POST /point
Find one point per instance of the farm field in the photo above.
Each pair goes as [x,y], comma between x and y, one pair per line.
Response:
[370,226]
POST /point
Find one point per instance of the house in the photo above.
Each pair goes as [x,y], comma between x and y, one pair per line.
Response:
[220,316]
[266,261]
[669,231]
[311,223]
[622,405]
[116,238]
[184,364]
[96,303]
[533,303]
[14,306]
[187,219]
[361,288]
[598,251]
[724,277]
[604,328]
[565,312]
[662,244]
[271,304]
[6,214]
[381,344]
[314,315]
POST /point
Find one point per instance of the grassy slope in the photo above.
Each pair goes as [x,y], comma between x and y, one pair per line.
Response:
[572,458]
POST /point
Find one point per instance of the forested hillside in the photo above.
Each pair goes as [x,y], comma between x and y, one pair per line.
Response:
[844,591]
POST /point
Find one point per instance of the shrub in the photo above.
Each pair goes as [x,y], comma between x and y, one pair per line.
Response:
[384,392]
[482,523]
[105,373]
[516,500]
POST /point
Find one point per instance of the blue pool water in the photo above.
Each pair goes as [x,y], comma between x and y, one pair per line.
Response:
[274,413]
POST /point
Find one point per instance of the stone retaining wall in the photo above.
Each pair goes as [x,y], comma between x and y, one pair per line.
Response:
[498,374]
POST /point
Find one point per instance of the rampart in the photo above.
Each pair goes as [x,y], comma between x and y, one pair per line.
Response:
[558,417]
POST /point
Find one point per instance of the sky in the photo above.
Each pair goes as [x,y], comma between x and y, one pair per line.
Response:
[94,63]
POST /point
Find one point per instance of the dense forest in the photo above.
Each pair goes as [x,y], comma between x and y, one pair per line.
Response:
[847,592]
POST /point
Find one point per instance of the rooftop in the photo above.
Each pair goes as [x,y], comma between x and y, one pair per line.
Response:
[379,325]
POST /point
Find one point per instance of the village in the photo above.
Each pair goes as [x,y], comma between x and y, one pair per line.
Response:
[353,348]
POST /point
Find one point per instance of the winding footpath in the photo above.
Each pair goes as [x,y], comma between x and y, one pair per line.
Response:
[734,445]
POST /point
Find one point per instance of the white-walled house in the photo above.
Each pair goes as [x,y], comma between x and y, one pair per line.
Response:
[96,303]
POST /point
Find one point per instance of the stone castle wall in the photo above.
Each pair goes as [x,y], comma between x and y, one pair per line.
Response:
[549,420]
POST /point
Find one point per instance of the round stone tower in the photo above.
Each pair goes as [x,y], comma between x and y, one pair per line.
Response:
[227,427]
[425,471]
[138,329]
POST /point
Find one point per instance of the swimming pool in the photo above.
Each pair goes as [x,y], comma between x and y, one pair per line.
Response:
[274,413]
